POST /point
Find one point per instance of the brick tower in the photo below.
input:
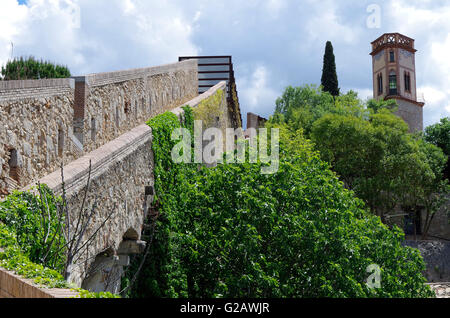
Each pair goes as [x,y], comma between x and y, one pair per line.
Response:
[394,76]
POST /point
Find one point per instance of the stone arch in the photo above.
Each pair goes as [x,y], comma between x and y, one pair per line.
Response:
[104,273]
[131,234]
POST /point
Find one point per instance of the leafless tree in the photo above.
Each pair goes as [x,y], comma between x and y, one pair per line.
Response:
[74,244]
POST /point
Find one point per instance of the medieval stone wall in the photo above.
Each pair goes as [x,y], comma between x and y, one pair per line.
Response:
[35,130]
[121,172]
[44,123]
[110,104]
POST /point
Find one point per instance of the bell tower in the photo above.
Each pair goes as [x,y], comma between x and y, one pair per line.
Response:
[394,76]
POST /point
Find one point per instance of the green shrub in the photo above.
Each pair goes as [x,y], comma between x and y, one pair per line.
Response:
[230,231]
[21,211]
[38,229]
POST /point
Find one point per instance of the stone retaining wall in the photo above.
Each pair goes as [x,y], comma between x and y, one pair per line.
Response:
[436,255]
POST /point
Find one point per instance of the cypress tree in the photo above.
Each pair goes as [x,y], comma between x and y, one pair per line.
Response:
[329,77]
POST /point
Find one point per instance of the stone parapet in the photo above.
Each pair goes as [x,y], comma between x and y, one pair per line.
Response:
[15,286]
[29,89]
[107,78]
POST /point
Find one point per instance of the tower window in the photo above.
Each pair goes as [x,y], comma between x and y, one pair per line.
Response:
[407,82]
[391,56]
[380,84]
[392,83]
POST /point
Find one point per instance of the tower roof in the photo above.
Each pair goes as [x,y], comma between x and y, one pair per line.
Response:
[389,40]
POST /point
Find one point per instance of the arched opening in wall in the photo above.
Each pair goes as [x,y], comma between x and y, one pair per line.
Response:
[131,234]
[392,83]
[14,165]
[117,117]
[60,142]
[93,129]
[136,109]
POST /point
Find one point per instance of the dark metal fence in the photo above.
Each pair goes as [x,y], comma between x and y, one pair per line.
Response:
[211,71]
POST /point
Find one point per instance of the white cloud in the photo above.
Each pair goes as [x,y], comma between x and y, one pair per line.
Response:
[325,23]
[255,93]
[12,17]
[103,35]
[274,7]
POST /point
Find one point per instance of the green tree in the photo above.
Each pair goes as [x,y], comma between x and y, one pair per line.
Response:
[230,231]
[382,163]
[30,68]
[302,106]
[329,79]
[439,135]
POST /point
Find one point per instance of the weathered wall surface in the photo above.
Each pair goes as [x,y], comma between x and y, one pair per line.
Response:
[411,113]
[110,104]
[436,255]
[35,130]
[120,171]
[44,123]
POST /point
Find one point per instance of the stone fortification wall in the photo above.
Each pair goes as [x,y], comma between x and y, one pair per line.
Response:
[121,181]
[44,123]
[35,130]
[110,104]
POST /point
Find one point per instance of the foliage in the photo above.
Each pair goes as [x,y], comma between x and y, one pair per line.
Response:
[87,294]
[231,231]
[22,245]
[210,109]
[370,148]
[379,160]
[12,258]
[30,68]
[329,78]
[161,267]
[301,106]
[38,228]
[439,135]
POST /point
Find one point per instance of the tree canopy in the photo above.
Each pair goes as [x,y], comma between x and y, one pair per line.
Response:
[370,148]
[439,135]
[230,231]
[31,68]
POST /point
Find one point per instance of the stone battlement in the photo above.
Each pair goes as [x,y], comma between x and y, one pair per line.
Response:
[44,123]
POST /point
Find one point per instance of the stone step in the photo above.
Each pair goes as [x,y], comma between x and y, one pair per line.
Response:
[11,184]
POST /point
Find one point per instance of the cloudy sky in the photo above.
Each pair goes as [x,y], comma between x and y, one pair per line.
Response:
[274,43]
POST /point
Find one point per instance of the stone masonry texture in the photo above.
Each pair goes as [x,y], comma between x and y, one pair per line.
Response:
[120,172]
[46,123]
